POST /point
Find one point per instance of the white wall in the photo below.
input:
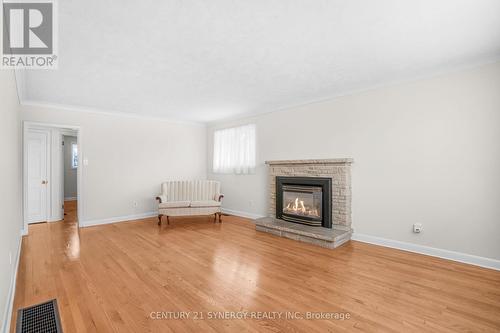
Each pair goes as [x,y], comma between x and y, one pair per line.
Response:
[426,151]
[70,186]
[128,158]
[10,189]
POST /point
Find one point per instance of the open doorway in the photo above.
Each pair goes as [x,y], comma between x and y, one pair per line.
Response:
[51,176]
[70,174]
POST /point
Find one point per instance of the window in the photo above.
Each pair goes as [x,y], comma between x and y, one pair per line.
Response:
[234,150]
[74,155]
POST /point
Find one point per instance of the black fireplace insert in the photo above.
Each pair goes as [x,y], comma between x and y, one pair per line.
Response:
[304,200]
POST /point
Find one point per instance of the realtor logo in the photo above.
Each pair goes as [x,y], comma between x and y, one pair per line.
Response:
[28,35]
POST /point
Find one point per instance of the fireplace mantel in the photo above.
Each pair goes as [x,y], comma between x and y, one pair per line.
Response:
[313,161]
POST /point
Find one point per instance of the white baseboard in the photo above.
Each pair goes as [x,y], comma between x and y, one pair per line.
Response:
[115,219]
[430,251]
[242,214]
[7,316]
[70,198]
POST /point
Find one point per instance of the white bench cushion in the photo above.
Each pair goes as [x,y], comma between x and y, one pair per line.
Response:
[174,204]
[205,203]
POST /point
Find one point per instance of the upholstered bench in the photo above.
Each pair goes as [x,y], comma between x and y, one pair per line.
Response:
[189,198]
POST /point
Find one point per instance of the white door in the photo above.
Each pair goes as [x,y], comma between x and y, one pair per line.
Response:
[36,168]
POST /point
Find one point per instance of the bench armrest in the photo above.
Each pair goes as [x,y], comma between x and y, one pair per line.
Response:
[161,198]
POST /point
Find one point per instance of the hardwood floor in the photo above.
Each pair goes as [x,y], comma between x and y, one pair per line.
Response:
[111,278]
[70,211]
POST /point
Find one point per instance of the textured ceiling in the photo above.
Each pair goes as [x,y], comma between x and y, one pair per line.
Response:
[209,60]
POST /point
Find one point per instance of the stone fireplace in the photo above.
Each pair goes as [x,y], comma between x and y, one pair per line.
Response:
[310,201]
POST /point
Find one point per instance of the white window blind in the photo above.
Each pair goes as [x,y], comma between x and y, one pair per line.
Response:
[234,150]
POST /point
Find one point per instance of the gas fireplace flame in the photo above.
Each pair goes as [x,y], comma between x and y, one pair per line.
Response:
[298,207]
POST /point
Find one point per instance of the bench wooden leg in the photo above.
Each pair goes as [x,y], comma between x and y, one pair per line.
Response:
[215,217]
[220,217]
[159,218]
[168,219]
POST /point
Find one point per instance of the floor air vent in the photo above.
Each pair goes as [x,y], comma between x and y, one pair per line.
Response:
[39,318]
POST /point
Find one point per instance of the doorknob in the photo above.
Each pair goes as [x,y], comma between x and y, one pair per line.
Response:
[44,182]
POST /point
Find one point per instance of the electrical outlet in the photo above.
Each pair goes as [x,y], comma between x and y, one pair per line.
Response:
[417,228]
[135,204]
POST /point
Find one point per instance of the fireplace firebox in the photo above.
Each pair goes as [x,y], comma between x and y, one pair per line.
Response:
[304,200]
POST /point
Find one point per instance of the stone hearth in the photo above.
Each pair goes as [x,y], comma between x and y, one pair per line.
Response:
[339,171]
[325,237]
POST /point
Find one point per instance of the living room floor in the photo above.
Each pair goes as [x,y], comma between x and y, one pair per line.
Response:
[118,277]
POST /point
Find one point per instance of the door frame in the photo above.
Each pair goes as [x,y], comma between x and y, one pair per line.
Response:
[29,125]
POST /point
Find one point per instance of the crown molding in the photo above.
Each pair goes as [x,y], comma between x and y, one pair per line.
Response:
[97,111]
[19,76]
[432,74]
[249,116]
